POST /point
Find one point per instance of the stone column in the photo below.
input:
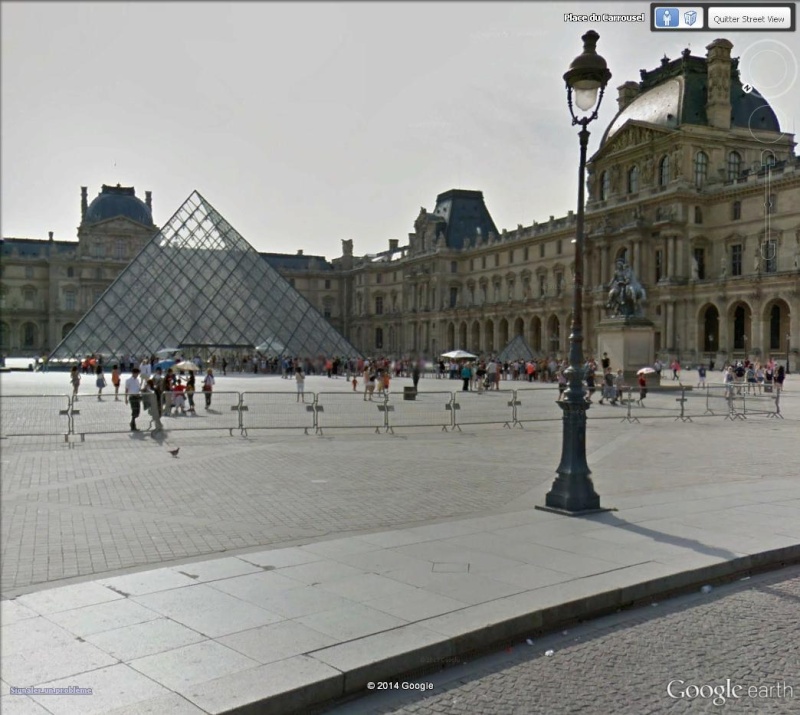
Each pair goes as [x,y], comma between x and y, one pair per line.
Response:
[638,246]
[669,338]
[673,257]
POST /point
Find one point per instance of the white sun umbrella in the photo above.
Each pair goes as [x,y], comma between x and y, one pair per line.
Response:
[646,371]
[185,365]
[166,352]
[459,355]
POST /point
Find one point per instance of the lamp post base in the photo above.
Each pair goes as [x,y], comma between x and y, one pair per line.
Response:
[567,512]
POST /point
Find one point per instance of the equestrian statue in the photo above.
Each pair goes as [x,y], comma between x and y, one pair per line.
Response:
[626,295]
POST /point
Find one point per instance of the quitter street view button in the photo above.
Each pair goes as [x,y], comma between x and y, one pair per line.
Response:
[749,17]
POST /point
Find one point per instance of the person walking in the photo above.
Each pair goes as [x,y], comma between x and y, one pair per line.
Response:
[100,382]
[619,387]
[642,389]
[415,375]
[676,368]
[133,396]
[150,402]
[115,382]
[466,376]
[590,381]
[780,376]
[190,390]
[75,379]
[701,374]
[208,386]
[300,378]
[608,386]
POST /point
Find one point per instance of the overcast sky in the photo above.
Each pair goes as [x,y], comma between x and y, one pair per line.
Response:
[307,123]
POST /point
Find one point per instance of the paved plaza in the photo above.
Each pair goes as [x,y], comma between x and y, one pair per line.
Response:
[280,566]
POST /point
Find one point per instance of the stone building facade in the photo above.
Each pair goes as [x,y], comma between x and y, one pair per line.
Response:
[694,183]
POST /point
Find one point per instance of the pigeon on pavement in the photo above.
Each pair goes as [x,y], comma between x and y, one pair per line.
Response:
[174,452]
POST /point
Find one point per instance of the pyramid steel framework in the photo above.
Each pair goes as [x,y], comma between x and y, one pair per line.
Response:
[198,284]
[517,349]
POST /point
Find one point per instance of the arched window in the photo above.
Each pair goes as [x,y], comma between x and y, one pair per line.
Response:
[633,180]
[28,335]
[700,168]
[734,165]
[605,186]
[663,171]
[378,337]
[65,330]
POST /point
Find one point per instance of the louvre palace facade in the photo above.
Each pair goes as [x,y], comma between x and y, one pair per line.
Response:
[694,184]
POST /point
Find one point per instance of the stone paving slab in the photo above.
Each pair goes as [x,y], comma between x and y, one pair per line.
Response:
[299,632]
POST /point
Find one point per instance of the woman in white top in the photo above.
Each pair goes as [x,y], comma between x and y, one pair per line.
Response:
[300,378]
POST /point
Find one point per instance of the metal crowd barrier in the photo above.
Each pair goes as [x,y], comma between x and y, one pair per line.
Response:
[278,410]
[49,415]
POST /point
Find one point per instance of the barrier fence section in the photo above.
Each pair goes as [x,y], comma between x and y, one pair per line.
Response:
[536,405]
[223,413]
[426,409]
[342,410]
[49,415]
[484,408]
[278,410]
[35,416]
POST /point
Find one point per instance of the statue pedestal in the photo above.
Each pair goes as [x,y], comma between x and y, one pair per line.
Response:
[629,342]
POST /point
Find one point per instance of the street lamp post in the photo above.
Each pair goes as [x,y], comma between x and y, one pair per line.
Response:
[788,346]
[572,492]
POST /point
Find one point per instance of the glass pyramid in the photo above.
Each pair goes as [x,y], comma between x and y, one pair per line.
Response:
[200,286]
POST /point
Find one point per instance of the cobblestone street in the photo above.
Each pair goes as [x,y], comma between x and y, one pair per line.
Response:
[747,632]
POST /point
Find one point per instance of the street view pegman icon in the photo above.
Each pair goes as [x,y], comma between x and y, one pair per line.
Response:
[667,17]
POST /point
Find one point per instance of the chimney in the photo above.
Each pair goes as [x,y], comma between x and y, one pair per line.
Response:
[148,200]
[626,94]
[718,102]
[49,235]
[393,243]
[299,251]
[84,202]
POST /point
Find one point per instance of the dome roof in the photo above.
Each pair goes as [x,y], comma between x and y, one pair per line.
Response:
[115,201]
[675,94]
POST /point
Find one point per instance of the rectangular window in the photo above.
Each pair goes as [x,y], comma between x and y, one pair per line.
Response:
[379,278]
[327,283]
[659,265]
[28,295]
[471,264]
[770,254]
[453,267]
[453,297]
[525,254]
[69,300]
[558,247]
[736,260]
[378,337]
[541,250]
[511,256]
[119,250]
[542,285]
[29,271]
[483,261]
[97,293]
[70,272]
[291,282]
[379,305]
[699,255]
[559,283]
[496,260]
[736,212]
